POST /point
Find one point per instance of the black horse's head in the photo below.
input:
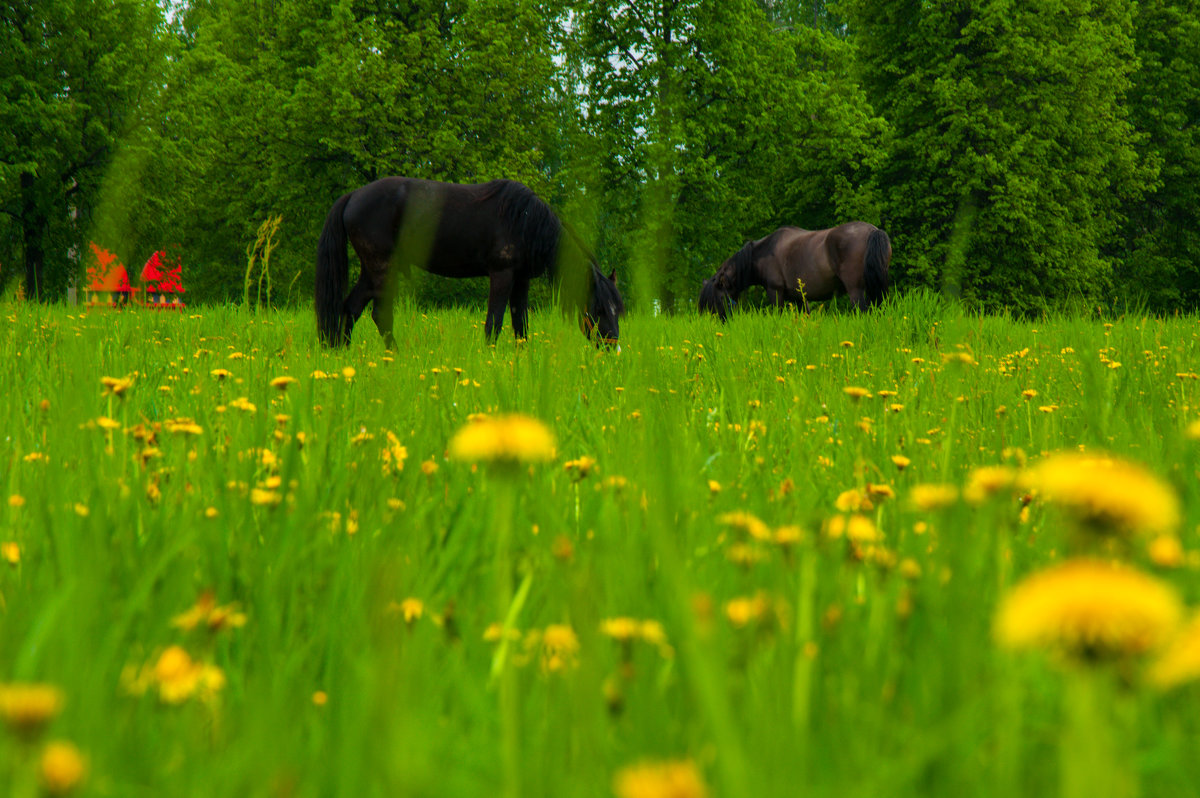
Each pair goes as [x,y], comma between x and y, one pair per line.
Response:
[716,296]
[601,318]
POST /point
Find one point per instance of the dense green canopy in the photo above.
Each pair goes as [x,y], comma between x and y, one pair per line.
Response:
[1021,156]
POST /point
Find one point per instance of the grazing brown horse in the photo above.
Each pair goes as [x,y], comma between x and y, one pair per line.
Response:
[852,258]
[500,230]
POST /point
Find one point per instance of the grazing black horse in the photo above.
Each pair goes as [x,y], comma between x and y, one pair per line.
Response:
[851,258]
[500,230]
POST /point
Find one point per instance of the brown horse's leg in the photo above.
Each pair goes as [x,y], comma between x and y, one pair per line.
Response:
[518,303]
[501,287]
[859,297]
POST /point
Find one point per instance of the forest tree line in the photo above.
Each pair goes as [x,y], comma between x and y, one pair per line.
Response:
[1021,155]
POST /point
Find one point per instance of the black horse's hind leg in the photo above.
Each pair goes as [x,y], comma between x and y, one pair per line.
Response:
[501,288]
[383,312]
[354,305]
[518,303]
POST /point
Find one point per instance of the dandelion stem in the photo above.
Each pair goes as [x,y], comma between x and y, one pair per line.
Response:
[1088,766]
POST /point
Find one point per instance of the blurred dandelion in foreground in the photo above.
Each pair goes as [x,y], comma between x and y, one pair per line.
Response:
[176,676]
[208,614]
[1090,610]
[932,496]
[1180,661]
[560,648]
[679,779]
[27,708]
[62,767]
[1106,494]
[746,523]
[508,439]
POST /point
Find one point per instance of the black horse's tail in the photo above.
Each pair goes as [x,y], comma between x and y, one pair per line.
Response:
[875,265]
[333,271]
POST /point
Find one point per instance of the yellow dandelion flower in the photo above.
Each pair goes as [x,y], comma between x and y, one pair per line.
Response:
[747,523]
[679,779]
[1089,609]
[265,498]
[1029,393]
[26,708]
[932,496]
[62,767]
[900,461]
[744,610]
[881,491]
[987,481]
[560,648]
[221,374]
[104,422]
[1106,494]
[283,382]
[429,468]
[116,386]
[348,372]
[861,529]
[412,609]
[10,552]
[620,629]
[506,439]
[210,615]
[320,698]
[714,487]
[1180,660]
[849,501]
[1166,551]
[788,535]
[580,467]
[856,393]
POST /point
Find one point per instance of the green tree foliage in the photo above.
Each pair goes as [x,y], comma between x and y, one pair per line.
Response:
[281,110]
[1161,262]
[1013,147]
[706,123]
[77,77]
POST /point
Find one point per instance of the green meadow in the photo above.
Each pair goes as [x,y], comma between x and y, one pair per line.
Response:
[733,577]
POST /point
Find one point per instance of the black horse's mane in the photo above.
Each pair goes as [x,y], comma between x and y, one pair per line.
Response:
[540,233]
[532,223]
[741,272]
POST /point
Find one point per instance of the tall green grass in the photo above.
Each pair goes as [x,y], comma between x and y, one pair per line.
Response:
[855,678]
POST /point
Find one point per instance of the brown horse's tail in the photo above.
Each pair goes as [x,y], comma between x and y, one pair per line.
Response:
[333,271]
[875,266]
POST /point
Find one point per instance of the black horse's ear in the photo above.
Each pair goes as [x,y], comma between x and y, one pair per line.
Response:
[613,276]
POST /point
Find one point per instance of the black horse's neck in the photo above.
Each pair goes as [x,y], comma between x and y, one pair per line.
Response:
[741,271]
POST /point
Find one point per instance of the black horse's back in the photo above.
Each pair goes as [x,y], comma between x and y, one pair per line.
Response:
[875,266]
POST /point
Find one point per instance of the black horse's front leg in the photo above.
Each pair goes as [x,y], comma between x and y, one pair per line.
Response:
[501,288]
[518,303]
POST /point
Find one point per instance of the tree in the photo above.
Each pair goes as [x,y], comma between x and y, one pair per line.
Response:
[1013,147]
[705,123]
[1161,256]
[74,75]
